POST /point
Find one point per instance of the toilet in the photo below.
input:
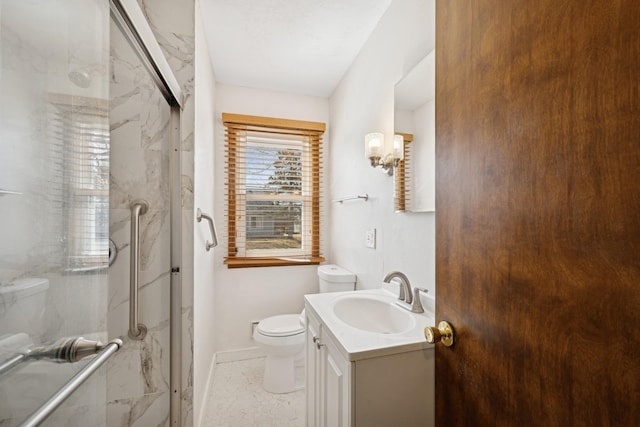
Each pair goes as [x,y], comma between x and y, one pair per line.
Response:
[283,336]
[22,306]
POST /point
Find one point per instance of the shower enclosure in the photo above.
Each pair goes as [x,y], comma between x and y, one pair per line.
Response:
[89,126]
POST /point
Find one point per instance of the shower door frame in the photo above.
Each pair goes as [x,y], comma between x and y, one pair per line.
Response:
[129,17]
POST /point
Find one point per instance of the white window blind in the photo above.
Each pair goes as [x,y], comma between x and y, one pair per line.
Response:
[79,143]
[273,192]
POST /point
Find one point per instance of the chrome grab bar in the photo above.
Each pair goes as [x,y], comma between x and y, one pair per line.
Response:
[212,228]
[61,395]
[137,331]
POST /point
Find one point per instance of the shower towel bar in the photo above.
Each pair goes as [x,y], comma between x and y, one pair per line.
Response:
[61,395]
[137,331]
[8,192]
[64,350]
[212,228]
[12,362]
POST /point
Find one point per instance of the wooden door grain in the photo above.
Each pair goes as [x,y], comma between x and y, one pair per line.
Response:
[538,218]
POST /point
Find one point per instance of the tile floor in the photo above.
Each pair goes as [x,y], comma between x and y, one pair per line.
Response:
[237,399]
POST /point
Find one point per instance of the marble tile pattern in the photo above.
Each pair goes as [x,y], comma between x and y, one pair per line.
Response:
[236,399]
[172,22]
[138,374]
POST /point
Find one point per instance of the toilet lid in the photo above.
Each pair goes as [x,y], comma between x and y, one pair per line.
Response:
[281,326]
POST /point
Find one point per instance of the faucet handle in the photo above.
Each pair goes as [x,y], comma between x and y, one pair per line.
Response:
[416,307]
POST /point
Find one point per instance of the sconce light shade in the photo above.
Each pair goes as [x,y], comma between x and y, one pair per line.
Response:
[374,150]
[398,147]
[374,145]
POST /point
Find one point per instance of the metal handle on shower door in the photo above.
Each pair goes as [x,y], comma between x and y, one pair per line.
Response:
[137,331]
[89,348]
[212,228]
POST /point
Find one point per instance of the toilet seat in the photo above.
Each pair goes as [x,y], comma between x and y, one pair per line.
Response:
[284,325]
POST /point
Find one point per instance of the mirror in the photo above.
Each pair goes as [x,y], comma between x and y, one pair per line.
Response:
[414,118]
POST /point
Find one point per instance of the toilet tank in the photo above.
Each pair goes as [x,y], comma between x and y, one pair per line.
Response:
[22,305]
[334,278]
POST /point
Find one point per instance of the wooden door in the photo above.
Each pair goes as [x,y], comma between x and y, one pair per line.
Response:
[538,212]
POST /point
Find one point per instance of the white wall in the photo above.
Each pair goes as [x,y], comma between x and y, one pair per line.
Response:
[423,180]
[204,299]
[422,124]
[249,294]
[362,103]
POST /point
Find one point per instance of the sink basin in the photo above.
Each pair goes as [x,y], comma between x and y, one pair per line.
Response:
[372,314]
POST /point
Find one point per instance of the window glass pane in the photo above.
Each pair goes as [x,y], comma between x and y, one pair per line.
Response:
[88,230]
[79,129]
[273,170]
[274,224]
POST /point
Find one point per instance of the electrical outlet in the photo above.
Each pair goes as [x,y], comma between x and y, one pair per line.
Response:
[370,238]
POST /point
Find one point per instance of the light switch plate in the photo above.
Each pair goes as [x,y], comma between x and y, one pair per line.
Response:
[370,238]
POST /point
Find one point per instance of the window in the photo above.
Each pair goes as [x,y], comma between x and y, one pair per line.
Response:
[273,191]
[403,176]
[79,143]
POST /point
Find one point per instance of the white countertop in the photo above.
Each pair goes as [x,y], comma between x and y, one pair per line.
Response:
[357,344]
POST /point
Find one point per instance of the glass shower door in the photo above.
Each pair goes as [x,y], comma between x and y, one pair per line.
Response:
[54,198]
[139,374]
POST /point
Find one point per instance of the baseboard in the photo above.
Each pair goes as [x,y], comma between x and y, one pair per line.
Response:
[207,389]
[224,357]
[240,354]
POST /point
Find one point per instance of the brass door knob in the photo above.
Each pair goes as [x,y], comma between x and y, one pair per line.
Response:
[443,333]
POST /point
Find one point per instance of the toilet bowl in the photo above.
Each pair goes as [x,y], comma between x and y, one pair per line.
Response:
[282,337]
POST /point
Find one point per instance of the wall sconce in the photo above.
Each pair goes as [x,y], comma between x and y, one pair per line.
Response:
[374,150]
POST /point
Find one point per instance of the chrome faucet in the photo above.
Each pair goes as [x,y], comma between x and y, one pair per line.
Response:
[405,299]
[405,288]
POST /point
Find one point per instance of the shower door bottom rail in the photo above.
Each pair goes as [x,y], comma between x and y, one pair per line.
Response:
[67,390]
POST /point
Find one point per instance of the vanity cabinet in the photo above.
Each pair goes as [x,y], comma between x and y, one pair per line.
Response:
[385,389]
[328,379]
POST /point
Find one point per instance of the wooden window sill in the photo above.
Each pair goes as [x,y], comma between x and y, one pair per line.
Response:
[269,262]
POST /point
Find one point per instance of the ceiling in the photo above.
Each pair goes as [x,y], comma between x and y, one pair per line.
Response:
[294,46]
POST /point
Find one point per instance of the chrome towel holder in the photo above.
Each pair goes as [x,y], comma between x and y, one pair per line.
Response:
[364,197]
[103,352]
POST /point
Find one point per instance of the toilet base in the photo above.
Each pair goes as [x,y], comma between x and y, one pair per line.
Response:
[284,374]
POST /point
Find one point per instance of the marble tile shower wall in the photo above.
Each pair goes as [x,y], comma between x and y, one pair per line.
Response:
[138,375]
[139,378]
[173,23]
